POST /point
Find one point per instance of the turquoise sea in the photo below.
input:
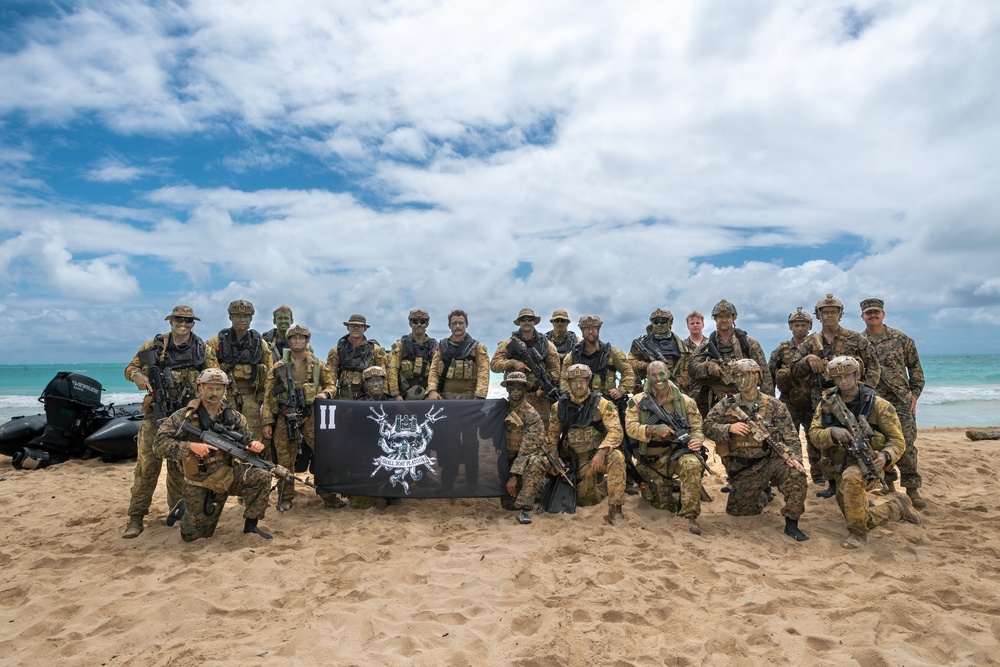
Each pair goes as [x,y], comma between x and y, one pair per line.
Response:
[962,390]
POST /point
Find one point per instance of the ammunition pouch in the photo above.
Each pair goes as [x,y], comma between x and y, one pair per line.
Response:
[198,472]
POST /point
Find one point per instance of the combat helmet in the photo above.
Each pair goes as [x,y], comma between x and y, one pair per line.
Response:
[579,371]
[213,376]
[590,321]
[800,316]
[843,365]
[828,301]
[744,366]
[661,312]
[724,308]
[298,330]
[241,307]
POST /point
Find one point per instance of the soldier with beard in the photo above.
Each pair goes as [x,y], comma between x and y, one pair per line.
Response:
[611,374]
[245,357]
[352,355]
[660,341]
[543,350]
[410,359]
[561,336]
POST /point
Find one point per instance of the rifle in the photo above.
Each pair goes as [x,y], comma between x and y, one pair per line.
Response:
[759,431]
[162,381]
[229,442]
[559,466]
[725,375]
[533,359]
[681,428]
[294,409]
[858,448]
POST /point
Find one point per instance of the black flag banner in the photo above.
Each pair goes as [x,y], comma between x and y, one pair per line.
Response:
[411,449]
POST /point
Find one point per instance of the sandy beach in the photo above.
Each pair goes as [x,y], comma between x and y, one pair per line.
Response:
[459,582]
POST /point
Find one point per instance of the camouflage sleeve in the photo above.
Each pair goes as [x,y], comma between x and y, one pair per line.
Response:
[873,370]
[211,353]
[766,379]
[913,367]
[434,374]
[379,357]
[682,372]
[779,416]
[552,363]
[327,383]
[392,372]
[333,361]
[775,360]
[627,383]
[555,426]
[636,359]
[887,422]
[267,359]
[634,427]
[166,444]
[698,366]
[482,372]
[244,428]
[819,435]
[269,408]
[696,427]
[800,366]
[533,438]
[567,361]
[136,366]
[502,362]
[717,423]
[608,415]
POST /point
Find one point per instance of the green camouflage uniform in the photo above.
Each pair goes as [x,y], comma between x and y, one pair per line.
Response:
[676,366]
[708,389]
[204,507]
[246,381]
[797,397]
[617,361]
[502,362]
[312,376]
[845,342]
[750,467]
[603,432]
[901,380]
[658,473]
[148,464]
[525,444]
[852,489]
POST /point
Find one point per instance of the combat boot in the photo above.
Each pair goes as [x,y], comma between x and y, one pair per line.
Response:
[285,505]
[177,513]
[906,511]
[829,492]
[915,497]
[524,517]
[854,540]
[134,528]
[694,527]
[615,515]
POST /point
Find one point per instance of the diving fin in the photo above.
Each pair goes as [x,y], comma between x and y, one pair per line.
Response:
[558,497]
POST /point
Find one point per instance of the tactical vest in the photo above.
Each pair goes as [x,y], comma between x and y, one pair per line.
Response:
[214,467]
[579,431]
[240,358]
[797,393]
[353,360]
[513,424]
[415,361]
[278,347]
[739,351]
[308,381]
[743,445]
[647,414]
[565,345]
[669,346]
[459,359]
[183,363]
[597,362]
[861,407]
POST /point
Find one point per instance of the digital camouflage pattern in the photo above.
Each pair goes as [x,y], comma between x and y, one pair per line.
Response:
[796,394]
[526,440]
[620,375]
[604,432]
[708,389]
[243,394]
[845,342]
[677,366]
[503,363]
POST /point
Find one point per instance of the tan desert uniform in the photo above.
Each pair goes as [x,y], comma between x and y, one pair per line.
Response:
[413,369]
[602,431]
[313,377]
[617,361]
[246,387]
[466,378]
[504,363]
[348,371]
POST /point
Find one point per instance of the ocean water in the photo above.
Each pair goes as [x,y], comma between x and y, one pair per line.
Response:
[962,390]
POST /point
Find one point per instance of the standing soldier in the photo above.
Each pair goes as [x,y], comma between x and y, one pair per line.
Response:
[753,433]
[410,359]
[611,374]
[526,442]
[660,343]
[527,341]
[460,370]
[245,357]
[584,425]
[277,338]
[292,387]
[352,355]
[796,394]
[180,355]
[830,432]
[211,476]
[710,379]
[812,356]
[561,336]
[664,453]
[900,383]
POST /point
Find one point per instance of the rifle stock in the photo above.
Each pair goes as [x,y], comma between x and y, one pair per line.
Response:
[530,358]
[161,381]
[859,448]
[759,430]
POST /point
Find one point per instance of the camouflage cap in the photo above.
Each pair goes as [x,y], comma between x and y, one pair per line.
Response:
[842,365]
[241,307]
[416,312]
[515,377]
[800,316]
[372,371]
[661,312]
[579,371]
[182,311]
[527,312]
[298,330]
[872,304]
[744,366]
[213,376]
[828,301]
[357,319]
[590,321]
[559,314]
[724,308]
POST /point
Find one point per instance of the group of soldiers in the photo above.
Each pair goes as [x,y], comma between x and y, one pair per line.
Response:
[621,423]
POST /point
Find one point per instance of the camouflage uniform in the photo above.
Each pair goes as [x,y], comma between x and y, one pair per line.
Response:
[750,467]
[852,489]
[845,342]
[148,464]
[502,362]
[565,342]
[347,362]
[203,506]
[410,361]
[797,397]
[313,377]
[604,363]
[247,367]
[708,389]
[670,346]
[901,380]
[525,441]
[585,436]
[656,464]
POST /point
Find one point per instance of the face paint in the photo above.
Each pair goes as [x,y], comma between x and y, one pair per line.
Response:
[240,321]
[799,329]
[375,385]
[515,393]
[298,343]
[559,327]
[746,381]
[282,321]
[212,393]
[658,377]
[661,326]
[579,387]
[724,322]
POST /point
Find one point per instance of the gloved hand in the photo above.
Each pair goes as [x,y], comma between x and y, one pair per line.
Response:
[840,434]
[714,369]
[816,365]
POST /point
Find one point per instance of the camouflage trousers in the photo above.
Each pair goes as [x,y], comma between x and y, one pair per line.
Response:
[749,478]
[907,463]
[802,418]
[287,451]
[594,487]
[147,473]
[541,405]
[248,406]
[659,475]
[204,507]
[530,483]
[852,496]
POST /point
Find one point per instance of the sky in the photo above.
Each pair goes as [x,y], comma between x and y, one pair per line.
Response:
[610,158]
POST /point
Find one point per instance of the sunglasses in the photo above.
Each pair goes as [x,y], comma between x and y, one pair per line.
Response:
[419,320]
[559,321]
[184,320]
[660,320]
[526,318]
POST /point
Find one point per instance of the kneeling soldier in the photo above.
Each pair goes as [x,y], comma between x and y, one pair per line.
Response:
[526,443]
[211,476]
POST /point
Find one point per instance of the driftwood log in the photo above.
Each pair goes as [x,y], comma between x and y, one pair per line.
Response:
[983,434]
